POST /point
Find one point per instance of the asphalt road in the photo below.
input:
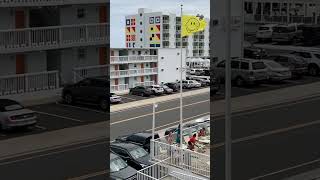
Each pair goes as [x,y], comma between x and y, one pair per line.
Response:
[270,143]
[83,161]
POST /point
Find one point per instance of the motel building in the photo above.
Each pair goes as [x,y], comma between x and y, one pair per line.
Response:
[47,43]
[130,67]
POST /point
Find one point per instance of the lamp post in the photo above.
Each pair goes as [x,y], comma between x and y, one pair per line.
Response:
[154,106]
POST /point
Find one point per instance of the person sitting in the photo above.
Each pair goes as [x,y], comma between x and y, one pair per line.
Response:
[193,139]
[190,146]
[202,132]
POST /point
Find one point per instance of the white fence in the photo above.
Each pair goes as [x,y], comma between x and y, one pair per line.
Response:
[249,18]
[133,72]
[145,83]
[28,39]
[133,59]
[119,88]
[90,71]
[22,83]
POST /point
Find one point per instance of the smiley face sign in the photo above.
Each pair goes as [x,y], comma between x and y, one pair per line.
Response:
[192,25]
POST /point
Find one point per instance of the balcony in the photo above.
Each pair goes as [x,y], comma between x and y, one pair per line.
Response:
[165,31]
[26,3]
[165,38]
[90,71]
[119,88]
[53,37]
[145,83]
[165,21]
[133,59]
[133,72]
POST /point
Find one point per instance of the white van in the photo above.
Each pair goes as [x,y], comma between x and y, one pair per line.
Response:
[265,32]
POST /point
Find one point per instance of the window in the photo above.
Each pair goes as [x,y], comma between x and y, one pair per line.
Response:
[244,66]
[133,52]
[135,65]
[140,22]
[81,13]
[85,82]
[139,52]
[235,64]
[141,39]
[81,53]
[258,65]
[120,152]
[140,31]
[140,14]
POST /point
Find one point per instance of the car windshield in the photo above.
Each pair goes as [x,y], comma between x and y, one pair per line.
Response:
[164,86]
[258,65]
[12,107]
[138,153]
[273,64]
[117,164]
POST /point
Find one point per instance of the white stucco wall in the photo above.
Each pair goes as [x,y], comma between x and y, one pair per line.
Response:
[7,19]
[36,62]
[169,61]
[8,65]
[69,14]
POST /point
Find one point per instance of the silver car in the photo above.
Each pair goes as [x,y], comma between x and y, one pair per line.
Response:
[13,114]
[243,71]
[276,71]
[115,98]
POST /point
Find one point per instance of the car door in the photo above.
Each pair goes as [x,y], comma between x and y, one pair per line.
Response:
[81,90]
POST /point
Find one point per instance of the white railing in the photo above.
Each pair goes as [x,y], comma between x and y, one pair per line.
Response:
[30,82]
[119,88]
[165,38]
[161,170]
[12,3]
[165,31]
[133,72]
[90,71]
[133,59]
[145,83]
[40,38]
[249,18]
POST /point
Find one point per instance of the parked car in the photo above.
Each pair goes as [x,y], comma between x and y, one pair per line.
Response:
[141,139]
[141,91]
[276,71]
[206,79]
[115,98]
[254,52]
[313,60]
[195,83]
[134,155]
[297,65]
[199,72]
[186,84]
[156,89]
[202,82]
[265,32]
[191,71]
[166,89]
[174,86]
[119,169]
[287,33]
[243,71]
[13,114]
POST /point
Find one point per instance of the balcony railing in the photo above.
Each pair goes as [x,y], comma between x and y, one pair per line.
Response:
[133,72]
[119,88]
[258,18]
[165,31]
[30,82]
[13,3]
[90,71]
[145,83]
[53,37]
[133,59]
[165,38]
[165,21]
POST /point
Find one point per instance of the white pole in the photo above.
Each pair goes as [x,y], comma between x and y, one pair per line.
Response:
[228,92]
[153,129]
[181,105]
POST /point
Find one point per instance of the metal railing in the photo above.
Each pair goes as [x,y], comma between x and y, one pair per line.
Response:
[119,88]
[12,3]
[145,83]
[90,71]
[258,18]
[133,72]
[30,82]
[133,59]
[39,38]
[161,170]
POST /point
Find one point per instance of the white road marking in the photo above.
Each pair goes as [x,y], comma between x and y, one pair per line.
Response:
[286,169]
[158,112]
[62,117]
[81,108]
[91,175]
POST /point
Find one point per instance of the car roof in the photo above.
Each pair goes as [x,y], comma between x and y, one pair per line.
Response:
[113,156]
[124,145]
[7,102]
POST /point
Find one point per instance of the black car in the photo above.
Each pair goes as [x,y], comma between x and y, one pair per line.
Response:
[141,91]
[119,169]
[141,139]
[90,90]
[173,86]
[254,52]
[134,155]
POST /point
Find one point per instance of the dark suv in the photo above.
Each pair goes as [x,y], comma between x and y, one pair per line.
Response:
[90,90]
[141,139]
[141,90]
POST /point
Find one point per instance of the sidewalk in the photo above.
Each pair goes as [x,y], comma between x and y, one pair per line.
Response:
[50,140]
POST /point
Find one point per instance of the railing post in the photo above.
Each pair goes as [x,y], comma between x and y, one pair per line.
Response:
[57,80]
[26,83]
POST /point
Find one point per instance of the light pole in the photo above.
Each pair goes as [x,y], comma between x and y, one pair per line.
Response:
[181,73]
[154,106]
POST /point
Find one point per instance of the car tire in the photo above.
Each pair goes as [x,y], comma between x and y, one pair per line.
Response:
[103,104]
[68,98]
[239,82]
[313,70]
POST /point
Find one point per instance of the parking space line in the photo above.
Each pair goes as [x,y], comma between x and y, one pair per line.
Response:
[62,117]
[81,108]
[91,175]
